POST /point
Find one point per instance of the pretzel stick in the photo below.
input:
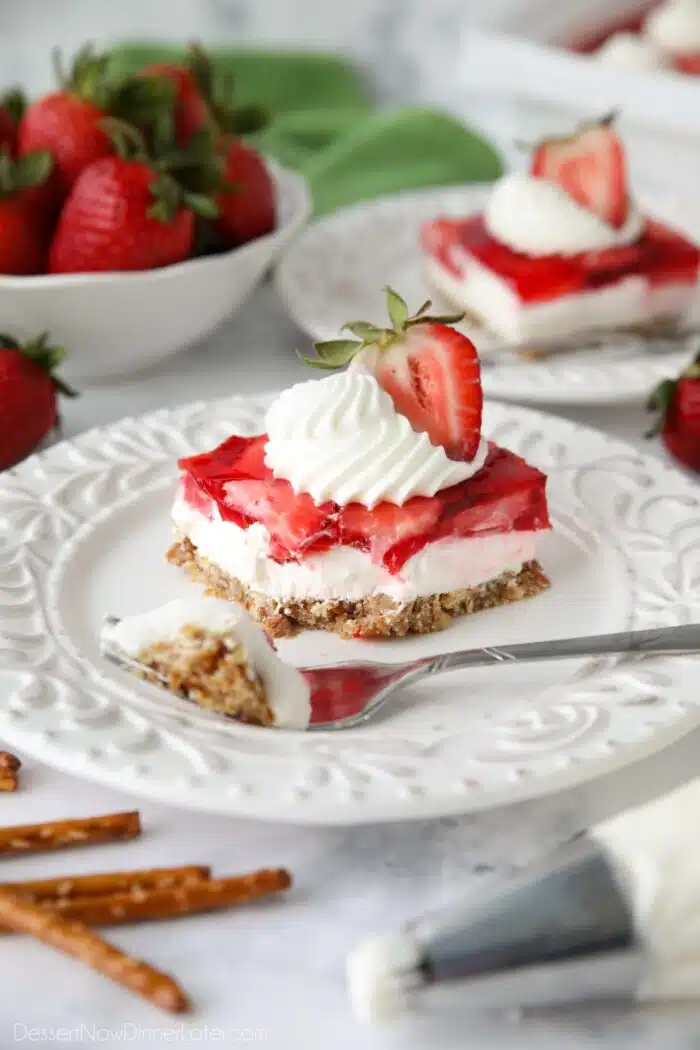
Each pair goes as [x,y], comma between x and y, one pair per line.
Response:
[10,766]
[35,838]
[144,904]
[72,938]
[71,886]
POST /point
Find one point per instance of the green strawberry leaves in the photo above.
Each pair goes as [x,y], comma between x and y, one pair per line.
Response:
[338,352]
[333,354]
[14,102]
[398,311]
[23,173]
[43,354]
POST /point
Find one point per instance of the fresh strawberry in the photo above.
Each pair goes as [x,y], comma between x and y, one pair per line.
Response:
[247,209]
[28,395]
[590,166]
[69,122]
[12,107]
[388,530]
[191,110]
[430,371]
[127,212]
[204,100]
[677,403]
[24,229]
[297,525]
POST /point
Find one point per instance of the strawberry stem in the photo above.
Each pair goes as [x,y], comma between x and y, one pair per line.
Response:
[339,352]
[43,354]
[22,173]
[127,140]
[14,103]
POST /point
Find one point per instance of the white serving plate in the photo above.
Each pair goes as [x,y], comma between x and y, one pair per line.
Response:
[336,270]
[85,528]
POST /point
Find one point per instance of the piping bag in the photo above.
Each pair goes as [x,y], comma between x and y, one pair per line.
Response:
[614,915]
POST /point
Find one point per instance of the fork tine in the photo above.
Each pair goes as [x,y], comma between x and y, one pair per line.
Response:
[125,662]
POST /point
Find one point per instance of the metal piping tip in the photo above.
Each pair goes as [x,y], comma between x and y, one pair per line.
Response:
[560,933]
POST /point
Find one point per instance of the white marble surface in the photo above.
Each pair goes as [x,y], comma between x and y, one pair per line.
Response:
[273,974]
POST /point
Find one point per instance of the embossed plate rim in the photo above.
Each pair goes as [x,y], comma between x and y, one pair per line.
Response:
[161,435]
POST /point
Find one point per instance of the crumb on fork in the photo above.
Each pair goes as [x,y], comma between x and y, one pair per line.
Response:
[211,669]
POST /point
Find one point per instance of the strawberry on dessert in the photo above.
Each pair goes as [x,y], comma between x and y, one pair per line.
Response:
[372,505]
[564,248]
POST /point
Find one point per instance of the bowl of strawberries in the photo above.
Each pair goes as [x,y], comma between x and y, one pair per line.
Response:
[134,215]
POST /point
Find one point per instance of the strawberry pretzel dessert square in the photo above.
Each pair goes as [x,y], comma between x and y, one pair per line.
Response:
[563,248]
[372,506]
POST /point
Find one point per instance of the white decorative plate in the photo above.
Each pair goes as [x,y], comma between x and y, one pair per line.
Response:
[83,532]
[336,270]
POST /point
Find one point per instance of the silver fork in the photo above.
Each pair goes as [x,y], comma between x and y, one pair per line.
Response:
[344,696]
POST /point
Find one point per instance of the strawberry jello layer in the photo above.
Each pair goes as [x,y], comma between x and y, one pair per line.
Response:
[256,529]
[519,296]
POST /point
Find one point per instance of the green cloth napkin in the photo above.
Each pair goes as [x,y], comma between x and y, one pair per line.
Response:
[325,125]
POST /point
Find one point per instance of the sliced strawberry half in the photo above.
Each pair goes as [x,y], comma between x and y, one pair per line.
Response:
[590,166]
[297,525]
[429,369]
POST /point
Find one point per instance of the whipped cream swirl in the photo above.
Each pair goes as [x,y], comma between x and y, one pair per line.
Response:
[341,439]
[675,26]
[537,217]
[632,52]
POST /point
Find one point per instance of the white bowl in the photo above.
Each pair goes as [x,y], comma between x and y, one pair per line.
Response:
[114,324]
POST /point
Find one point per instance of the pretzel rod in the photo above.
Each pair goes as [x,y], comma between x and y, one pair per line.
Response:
[185,899]
[71,886]
[77,940]
[10,766]
[35,838]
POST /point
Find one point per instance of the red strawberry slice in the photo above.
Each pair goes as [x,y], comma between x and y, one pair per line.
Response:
[590,166]
[497,516]
[297,525]
[432,375]
[388,527]
[429,369]
[236,457]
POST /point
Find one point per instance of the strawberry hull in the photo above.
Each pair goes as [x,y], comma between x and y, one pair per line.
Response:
[506,495]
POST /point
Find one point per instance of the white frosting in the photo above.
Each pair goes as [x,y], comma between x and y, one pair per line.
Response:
[341,439]
[630,301]
[657,853]
[378,977]
[675,26]
[286,690]
[347,573]
[632,52]
[537,217]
